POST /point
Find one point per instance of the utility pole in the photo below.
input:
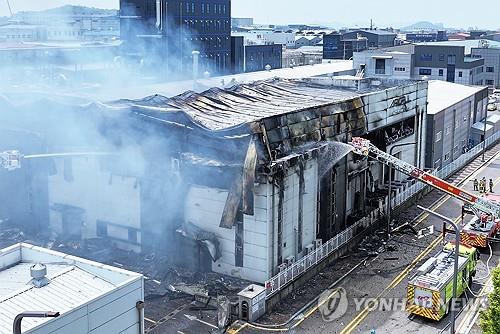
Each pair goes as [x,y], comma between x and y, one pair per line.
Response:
[455,268]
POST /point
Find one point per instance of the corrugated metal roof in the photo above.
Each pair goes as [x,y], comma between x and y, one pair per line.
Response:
[218,109]
[68,289]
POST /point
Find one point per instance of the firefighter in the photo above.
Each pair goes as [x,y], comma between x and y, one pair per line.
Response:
[476,184]
[482,186]
[491,185]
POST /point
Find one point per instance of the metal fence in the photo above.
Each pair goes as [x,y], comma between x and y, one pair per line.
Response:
[292,272]
[446,171]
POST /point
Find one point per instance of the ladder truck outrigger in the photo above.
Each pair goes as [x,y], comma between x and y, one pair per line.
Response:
[477,232]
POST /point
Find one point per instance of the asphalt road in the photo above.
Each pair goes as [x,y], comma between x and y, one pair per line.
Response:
[383,281]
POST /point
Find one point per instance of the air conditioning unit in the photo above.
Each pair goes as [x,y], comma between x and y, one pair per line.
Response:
[318,243]
[309,249]
[290,260]
[282,267]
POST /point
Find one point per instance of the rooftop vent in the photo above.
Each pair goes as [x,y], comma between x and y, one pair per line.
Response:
[38,274]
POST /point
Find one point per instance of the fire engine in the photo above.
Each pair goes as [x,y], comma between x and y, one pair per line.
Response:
[480,230]
[430,290]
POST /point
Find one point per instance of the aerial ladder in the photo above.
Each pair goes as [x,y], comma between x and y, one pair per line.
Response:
[478,231]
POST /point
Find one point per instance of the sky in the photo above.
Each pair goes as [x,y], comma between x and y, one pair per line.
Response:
[395,13]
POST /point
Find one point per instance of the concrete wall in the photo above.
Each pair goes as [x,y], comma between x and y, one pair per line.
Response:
[104,197]
[393,67]
[112,313]
[204,208]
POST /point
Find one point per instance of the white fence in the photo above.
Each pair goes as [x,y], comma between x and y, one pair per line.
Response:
[283,278]
[446,171]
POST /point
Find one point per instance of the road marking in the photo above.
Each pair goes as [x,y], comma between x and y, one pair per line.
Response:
[194,318]
[361,316]
[396,280]
[149,320]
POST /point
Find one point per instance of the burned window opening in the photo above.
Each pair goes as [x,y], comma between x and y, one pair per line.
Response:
[239,240]
[301,206]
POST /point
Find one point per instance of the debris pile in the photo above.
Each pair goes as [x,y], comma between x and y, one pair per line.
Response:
[163,278]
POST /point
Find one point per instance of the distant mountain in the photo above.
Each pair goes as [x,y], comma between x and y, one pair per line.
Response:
[423,25]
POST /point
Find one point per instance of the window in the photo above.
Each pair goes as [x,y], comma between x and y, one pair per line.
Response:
[203,8]
[441,57]
[490,69]
[208,8]
[426,57]
[459,74]
[187,7]
[447,156]
[448,130]
[440,72]
[490,82]
[455,150]
[379,66]
[452,59]
[425,71]
[193,7]
[439,135]
[457,123]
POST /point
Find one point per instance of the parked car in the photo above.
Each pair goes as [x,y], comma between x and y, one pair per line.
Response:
[492,107]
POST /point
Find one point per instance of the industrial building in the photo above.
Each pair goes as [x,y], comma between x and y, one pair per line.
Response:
[241,181]
[67,23]
[263,36]
[254,57]
[415,37]
[76,296]
[452,113]
[376,38]
[167,32]
[422,61]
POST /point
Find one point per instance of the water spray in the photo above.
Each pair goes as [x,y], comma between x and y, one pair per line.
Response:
[11,160]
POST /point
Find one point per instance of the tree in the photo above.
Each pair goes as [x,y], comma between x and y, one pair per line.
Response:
[490,318]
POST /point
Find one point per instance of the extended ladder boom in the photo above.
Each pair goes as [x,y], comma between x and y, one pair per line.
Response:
[364,147]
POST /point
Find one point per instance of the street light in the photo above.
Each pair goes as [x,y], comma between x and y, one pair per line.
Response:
[389,204]
[455,268]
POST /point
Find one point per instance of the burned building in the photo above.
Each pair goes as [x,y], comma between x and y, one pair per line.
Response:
[239,181]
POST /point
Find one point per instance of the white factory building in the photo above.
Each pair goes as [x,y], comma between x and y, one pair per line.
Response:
[82,296]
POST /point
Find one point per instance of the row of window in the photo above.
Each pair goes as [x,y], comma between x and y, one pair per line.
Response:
[428,57]
[490,69]
[428,71]
[400,69]
[208,25]
[439,135]
[206,8]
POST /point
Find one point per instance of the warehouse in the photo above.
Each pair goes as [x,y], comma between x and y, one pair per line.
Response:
[452,111]
[242,180]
